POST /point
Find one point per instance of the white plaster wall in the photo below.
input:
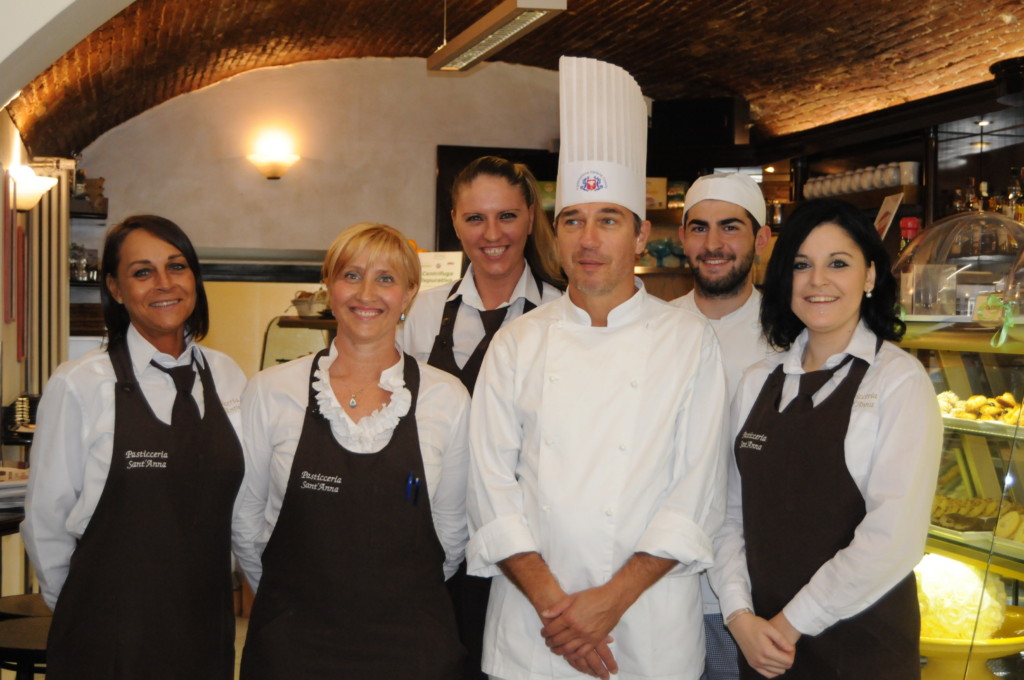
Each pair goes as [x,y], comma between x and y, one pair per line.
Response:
[367,131]
[35,33]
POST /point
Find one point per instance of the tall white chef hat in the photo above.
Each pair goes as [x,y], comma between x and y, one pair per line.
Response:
[603,150]
[732,187]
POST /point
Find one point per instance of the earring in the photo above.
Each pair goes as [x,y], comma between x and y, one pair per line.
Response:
[402,317]
[868,294]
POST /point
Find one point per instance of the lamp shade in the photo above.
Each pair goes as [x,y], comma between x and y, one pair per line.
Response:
[29,186]
[272,166]
[273,153]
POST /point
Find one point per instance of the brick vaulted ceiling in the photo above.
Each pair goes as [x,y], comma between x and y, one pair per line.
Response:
[799,63]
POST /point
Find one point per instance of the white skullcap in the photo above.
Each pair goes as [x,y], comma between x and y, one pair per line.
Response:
[602,154]
[733,187]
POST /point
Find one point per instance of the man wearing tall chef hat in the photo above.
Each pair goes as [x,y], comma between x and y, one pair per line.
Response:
[723,230]
[598,458]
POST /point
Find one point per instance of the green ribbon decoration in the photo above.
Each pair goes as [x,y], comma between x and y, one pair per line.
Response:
[993,302]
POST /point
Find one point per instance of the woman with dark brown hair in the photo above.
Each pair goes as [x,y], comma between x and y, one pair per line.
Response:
[513,268]
[135,469]
[837,444]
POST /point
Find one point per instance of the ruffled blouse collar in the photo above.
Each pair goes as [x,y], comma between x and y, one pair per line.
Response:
[371,427]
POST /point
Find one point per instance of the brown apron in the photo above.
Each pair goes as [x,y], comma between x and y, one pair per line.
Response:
[801,507]
[149,592]
[442,352]
[469,593]
[353,576]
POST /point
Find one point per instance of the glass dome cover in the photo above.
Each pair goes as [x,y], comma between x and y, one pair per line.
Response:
[958,261]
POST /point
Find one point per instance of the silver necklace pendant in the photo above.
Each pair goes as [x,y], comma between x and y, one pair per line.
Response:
[352,402]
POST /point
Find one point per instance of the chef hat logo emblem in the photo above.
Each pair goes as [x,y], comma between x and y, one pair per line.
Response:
[591,181]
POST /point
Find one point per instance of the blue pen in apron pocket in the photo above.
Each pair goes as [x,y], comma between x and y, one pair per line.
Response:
[412,488]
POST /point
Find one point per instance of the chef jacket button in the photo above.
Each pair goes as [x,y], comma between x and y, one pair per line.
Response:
[622,447]
[548,442]
[609,512]
[552,378]
[546,508]
[634,383]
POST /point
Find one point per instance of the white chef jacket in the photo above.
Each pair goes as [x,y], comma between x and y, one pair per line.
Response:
[743,345]
[739,336]
[417,334]
[273,411]
[591,444]
[74,442]
[893,447]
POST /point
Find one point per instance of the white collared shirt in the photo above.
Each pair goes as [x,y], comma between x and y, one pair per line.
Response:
[590,444]
[273,412]
[893,447]
[74,441]
[417,334]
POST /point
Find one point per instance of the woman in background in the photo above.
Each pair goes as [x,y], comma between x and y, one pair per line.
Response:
[836,454]
[513,268]
[352,512]
[135,468]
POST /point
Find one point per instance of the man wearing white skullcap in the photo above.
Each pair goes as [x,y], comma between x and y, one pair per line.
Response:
[597,433]
[723,230]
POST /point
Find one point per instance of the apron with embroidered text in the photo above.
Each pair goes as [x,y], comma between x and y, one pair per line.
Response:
[353,575]
[149,590]
[801,507]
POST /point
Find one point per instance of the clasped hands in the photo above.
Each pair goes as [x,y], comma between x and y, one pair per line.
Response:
[577,627]
[768,646]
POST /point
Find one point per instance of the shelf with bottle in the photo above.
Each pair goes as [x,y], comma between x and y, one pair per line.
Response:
[975,195]
[87,233]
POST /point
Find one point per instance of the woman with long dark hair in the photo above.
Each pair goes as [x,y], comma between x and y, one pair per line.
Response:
[837,445]
[135,468]
[514,268]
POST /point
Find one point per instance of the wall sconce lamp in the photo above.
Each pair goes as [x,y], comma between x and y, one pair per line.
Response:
[502,26]
[29,187]
[273,155]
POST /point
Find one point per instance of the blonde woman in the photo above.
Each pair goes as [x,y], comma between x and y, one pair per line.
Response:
[353,507]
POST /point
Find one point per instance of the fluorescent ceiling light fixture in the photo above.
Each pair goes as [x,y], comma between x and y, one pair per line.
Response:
[502,26]
[29,187]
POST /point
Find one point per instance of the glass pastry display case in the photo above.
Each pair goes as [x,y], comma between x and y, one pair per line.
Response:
[960,286]
[291,337]
[948,267]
